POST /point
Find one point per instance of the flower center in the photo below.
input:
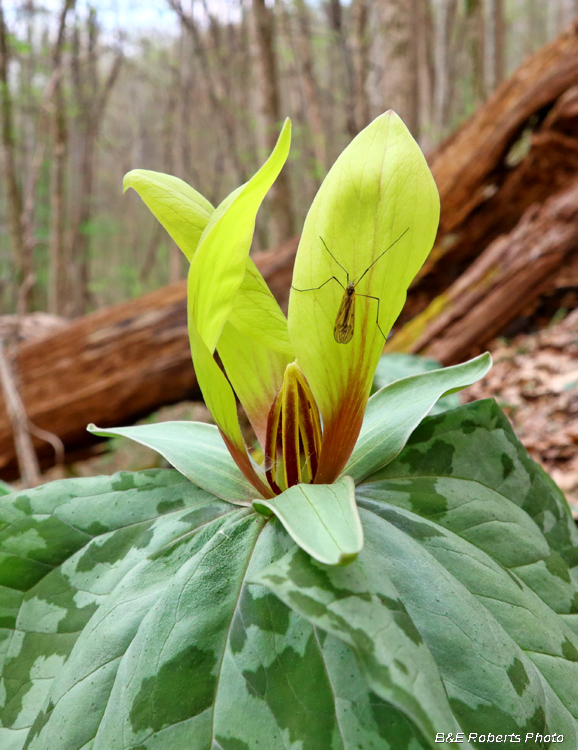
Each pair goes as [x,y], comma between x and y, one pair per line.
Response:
[293,439]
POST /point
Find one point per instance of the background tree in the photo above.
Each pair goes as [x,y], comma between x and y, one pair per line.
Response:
[84,99]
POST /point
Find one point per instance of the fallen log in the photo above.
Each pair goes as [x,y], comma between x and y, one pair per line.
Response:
[507,280]
[518,148]
[128,360]
[114,365]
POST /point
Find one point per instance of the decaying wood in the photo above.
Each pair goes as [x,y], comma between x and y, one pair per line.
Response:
[18,328]
[464,164]
[496,176]
[517,149]
[506,280]
[115,365]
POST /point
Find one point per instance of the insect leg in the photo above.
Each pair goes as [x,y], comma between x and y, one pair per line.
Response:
[369,296]
[314,288]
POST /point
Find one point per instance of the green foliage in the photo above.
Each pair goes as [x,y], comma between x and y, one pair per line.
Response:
[196,450]
[397,365]
[5,488]
[140,611]
[321,518]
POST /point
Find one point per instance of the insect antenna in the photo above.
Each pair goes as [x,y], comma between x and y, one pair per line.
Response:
[335,259]
[380,256]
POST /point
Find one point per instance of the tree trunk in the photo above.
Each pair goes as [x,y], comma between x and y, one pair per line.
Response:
[496,43]
[395,61]
[311,88]
[185,102]
[22,259]
[425,51]
[27,460]
[280,205]
[476,48]
[342,71]
[91,99]
[58,282]
[443,62]
[361,62]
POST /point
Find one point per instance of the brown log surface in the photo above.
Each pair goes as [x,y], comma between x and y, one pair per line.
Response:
[115,365]
[512,272]
[517,149]
[465,164]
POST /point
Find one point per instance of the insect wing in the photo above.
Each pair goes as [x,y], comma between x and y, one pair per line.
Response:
[345,321]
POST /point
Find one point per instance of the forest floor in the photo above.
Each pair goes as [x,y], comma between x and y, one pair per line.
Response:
[534,379]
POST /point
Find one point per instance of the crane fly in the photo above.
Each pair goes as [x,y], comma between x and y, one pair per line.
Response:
[345,321]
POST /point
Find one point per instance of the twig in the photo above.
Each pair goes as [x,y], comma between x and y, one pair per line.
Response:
[49,437]
[25,453]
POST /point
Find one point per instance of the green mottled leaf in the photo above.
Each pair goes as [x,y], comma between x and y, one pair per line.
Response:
[137,628]
[475,448]
[395,411]
[321,518]
[197,450]
[362,607]
[65,546]
[491,683]
[5,488]
[133,615]
[541,635]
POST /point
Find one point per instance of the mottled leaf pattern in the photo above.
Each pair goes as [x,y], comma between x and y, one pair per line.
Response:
[395,411]
[361,607]
[129,622]
[474,448]
[130,616]
[5,488]
[64,548]
[197,450]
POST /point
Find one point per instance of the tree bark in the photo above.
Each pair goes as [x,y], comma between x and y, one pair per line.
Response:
[22,259]
[361,62]
[280,204]
[443,63]
[394,55]
[476,48]
[26,456]
[425,51]
[58,283]
[507,280]
[342,71]
[91,99]
[311,87]
[496,44]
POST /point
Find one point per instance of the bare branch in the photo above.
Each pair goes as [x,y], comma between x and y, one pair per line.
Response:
[27,460]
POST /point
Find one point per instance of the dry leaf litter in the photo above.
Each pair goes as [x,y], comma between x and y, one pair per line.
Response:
[535,381]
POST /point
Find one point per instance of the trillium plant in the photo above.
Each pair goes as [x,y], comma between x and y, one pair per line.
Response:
[364,577]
